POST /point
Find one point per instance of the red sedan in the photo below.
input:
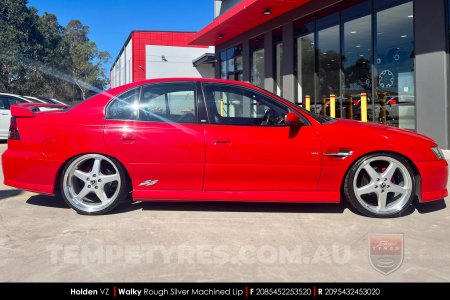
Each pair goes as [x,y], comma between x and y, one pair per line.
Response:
[204,140]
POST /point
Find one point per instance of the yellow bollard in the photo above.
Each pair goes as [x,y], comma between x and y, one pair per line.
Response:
[333,106]
[350,108]
[308,102]
[222,108]
[324,106]
[364,107]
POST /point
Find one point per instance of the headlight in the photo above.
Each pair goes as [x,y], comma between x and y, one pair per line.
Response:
[438,152]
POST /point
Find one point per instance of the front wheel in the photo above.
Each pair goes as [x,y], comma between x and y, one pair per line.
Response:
[93,184]
[380,185]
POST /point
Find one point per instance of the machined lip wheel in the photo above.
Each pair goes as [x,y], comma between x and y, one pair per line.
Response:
[383,185]
[92,183]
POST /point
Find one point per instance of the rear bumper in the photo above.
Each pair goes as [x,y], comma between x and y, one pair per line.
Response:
[35,175]
[434,176]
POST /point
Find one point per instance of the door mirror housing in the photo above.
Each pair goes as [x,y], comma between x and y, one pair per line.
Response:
[293,120]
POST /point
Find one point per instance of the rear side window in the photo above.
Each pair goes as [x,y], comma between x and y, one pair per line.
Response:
[162,102]
[125,107]
[168,102]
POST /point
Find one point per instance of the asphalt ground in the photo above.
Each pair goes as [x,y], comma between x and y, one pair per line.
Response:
[41,239]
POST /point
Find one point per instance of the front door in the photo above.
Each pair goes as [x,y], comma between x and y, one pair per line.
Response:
[249,147]
[154,131]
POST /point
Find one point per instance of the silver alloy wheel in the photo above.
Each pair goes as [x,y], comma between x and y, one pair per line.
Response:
[91,182]
[382,185]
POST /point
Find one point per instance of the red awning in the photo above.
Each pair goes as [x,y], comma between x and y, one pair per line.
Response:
[246,15]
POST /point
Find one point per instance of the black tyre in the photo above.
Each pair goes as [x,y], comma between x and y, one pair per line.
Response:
[93,184]
[380,185]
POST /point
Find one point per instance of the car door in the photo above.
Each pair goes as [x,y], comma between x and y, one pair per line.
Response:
[154,131]
[249,148]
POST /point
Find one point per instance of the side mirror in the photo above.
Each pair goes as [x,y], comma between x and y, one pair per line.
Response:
[293,120]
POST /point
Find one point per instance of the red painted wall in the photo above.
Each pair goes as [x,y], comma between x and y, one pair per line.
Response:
[142,38]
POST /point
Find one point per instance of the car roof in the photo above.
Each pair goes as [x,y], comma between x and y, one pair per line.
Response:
[179,79]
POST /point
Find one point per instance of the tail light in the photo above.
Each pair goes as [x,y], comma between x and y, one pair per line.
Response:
[13,130]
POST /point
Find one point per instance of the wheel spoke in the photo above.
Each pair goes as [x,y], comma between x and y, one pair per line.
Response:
[367,189]
[96,166]
[397,189]
[374,175]
[83,193]
[109,178]
[101,195]
[389,172]
[81,175]
[382,197]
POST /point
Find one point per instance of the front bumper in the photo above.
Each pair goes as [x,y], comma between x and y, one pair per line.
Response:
[434,177]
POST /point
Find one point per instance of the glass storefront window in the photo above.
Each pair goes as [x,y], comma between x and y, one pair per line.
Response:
[357,60]
[329,67]
[257,61]
[223,65]
[394,63]
[305,61]
[277,35]
[231,63]
[350,49]
[278,88]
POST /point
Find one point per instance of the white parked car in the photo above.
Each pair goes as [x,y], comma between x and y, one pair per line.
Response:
[6,100]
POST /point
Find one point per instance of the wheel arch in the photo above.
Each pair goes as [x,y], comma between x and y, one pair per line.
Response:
[417,176]
[61,168]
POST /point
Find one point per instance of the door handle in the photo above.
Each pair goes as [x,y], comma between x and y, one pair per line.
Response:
[222,142]
[128,137]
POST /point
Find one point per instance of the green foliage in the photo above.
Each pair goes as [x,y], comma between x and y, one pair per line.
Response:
[39,57]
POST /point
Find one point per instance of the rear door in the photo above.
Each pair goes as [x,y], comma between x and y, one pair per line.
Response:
[155,131]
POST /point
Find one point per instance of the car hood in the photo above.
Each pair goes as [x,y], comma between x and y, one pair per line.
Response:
[362,138]
[382,129]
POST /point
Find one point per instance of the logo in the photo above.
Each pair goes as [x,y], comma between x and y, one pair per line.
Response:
[148,183]
[385,252]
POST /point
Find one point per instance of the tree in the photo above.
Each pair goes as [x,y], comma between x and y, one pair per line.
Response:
[17,25]
[39,57]
[51,60]
[87,61]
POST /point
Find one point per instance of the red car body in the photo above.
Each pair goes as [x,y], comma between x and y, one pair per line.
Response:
[204,162]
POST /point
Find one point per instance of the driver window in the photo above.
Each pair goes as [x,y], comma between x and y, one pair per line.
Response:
[231,105]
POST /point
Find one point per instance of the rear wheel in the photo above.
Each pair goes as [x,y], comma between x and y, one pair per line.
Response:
[380,185]
[93,184]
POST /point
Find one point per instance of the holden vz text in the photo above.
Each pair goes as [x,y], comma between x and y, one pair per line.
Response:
[89,292]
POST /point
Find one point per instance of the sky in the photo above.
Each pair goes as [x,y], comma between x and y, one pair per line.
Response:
[111,21]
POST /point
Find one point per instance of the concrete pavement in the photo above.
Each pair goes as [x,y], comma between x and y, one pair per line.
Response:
[41,239]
